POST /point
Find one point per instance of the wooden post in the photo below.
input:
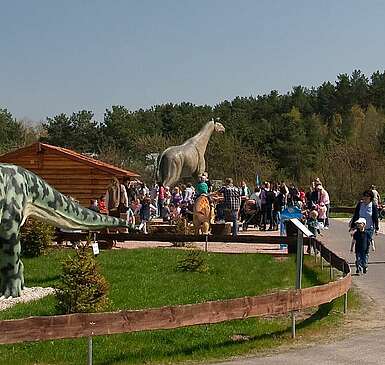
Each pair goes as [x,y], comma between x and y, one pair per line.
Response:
[331,267]
[313,244]
[298,282]
[345,302]
[298,279]
[345,298]
[89,359]
[293,324]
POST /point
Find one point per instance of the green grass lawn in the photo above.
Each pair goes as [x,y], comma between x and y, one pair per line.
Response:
[147,278]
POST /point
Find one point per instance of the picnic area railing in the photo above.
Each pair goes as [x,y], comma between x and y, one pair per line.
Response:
[280,302]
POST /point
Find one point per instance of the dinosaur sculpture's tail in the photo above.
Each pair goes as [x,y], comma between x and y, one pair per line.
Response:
[36,198]
[63,212]
[70,215]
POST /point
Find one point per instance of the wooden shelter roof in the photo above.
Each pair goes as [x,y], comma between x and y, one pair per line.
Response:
[72,155]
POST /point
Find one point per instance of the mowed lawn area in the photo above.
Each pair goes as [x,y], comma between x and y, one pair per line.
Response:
[147,278]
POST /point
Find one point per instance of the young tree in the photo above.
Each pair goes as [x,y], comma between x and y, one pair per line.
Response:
[12,132]
[86,133]
[59,131]
[377,89]
[360,89]
[82,287]
[326,100]
[78,132]
[119,128]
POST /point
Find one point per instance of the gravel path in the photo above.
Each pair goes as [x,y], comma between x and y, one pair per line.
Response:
[28,294]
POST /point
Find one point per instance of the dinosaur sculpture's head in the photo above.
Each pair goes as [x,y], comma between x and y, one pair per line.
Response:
[219,127]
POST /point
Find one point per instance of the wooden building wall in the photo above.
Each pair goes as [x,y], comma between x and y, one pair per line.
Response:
[75,178]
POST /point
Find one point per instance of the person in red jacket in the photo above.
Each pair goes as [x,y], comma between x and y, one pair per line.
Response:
[102,205]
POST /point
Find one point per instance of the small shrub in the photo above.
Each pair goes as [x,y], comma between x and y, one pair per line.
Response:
[182,227]
[194,261]
[35,237]
[82,288]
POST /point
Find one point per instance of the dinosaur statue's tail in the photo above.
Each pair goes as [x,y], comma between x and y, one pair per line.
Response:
[68,214]
[61,211]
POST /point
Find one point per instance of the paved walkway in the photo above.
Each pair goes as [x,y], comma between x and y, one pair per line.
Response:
[373,283]
[366,344]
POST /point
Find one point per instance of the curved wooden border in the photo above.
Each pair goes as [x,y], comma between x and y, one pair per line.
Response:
[84,324]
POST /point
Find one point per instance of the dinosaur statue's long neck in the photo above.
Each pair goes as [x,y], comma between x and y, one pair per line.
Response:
[202,137]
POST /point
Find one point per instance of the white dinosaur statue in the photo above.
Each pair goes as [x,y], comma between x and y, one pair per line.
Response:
[187,159]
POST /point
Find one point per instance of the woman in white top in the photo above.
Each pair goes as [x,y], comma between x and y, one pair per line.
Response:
[256,196]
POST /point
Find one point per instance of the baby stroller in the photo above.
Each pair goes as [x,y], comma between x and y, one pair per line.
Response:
[251,214]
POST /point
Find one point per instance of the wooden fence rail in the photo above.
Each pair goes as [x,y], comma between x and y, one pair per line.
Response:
[81,325]
[174,237]
[122,237]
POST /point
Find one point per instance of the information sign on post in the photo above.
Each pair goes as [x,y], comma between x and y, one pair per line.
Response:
[301,227]
[287,214]
[95,246]
[301,231]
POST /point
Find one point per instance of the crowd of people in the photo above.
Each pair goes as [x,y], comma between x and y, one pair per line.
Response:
[261,207]
[272,198]
[232,203]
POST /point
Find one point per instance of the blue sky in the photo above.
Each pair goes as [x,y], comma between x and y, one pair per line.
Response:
[64,56]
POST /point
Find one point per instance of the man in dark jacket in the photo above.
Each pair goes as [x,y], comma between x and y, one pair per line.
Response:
[270,197]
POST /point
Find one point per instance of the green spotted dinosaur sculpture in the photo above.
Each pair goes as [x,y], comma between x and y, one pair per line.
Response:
[24,194]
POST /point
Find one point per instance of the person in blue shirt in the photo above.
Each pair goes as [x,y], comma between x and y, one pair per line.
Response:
[368,210]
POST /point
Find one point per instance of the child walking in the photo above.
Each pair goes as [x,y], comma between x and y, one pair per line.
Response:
[144,214]
[313,226]
[361,243]
[322,211]
[312,222]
